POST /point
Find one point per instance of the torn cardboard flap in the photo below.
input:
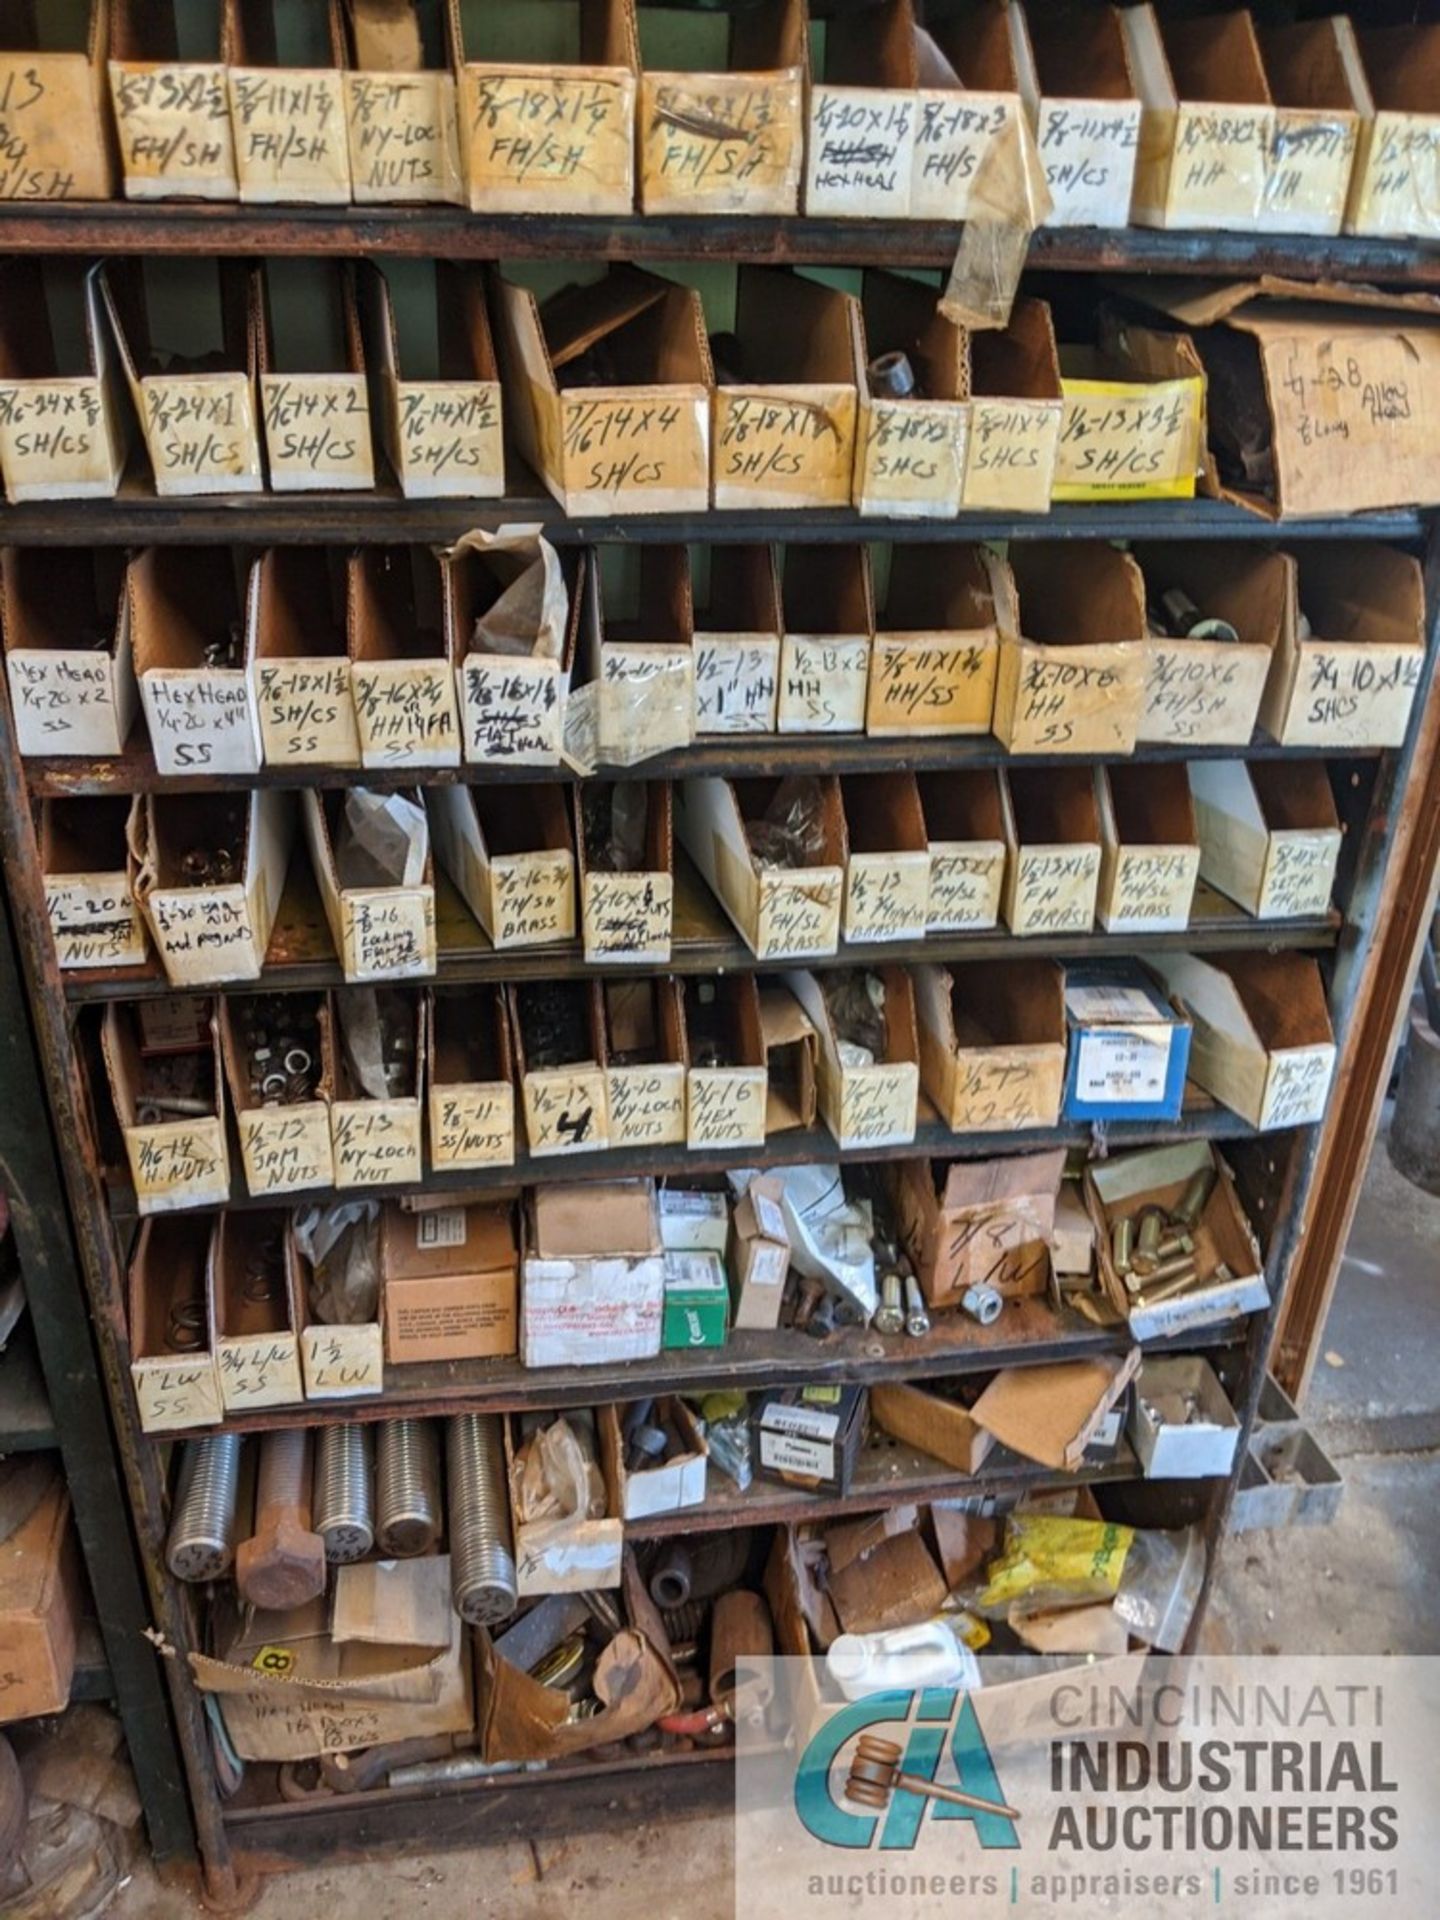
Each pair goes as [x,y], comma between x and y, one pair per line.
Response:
[1009,199]
[1050,1413]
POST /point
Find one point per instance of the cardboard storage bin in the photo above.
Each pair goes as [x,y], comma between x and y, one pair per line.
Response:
[58,141]
[1345,674]
[377,1139]
[781,913]
[1079,91]
[627,892]
[871,1104]
[64,431]
[1269,834]
[1072,678]
[1263,1044]
[512,704]
[937,641]
[66,630]
[594,1283]
[451,1282]
[287,101]
[792,1059]
[967,133]
[172,107]
[1016,402]
[609,391]
[992,1043]
[785,414]
[910,451]
[313,395]
[1206,689]
[828,614]
[400,103]
[186,611]
[633,694]
[299,649]
[645,1062]
[979,1223]
[1149,848]
[1128,431]
[1395,186]
[566,1101]
[42,1585]
[434,377]
[211,923]
[1182,1426]
[887,874]
[176,1160]
[469,1079]
[1052,849]
[89,899]
[726,1086]
[285,1145]
[546,105]
[722,109]
[572,1553]
[513,865]
[1129,1045]
[863,113]
[1318,93]
[677,1481]
[737,639]
[383,928]
[965,830]
[256,1310]
[931,1424]
[172,1351]
[402,679]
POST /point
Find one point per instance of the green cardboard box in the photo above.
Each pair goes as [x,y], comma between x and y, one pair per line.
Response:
[697,1300]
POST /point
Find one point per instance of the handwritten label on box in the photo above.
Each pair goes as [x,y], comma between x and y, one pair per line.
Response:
[1005,1089]
[1202,690]
[721,142]
[878,1104]
[317,431]
[259,1370]
[405,713]
[1055,889]
[779,448]
[473,1125]
[94,920]
[201,722]
[533,897]
[737,680]
[565,1110]
[205,933]
[931,683]
[1013,447]
[1307,175]
[307,714]
[647,1105]
[887,896]
[1217,170]
[200,431]
[549,140]
[1352,695]
[512,709]
[1299,874]
[404,145]
[628,916]
[1076,699]
[647,702]
[823,684]
[954,137]
[173,119]
[1398,191]
[798,913]
[912,458]
[861,152]
[1151,888]
[290,139]
[639,450]
[447,438]
[179,1163]
[387,933]
[286,1148]
[1087,152]
[1123,441]
[54,146]
[725,1107]
[65,702]
[342,1363]
[377,1142]
[57,439]
[1298,1086]
[177,1393]
[965,884]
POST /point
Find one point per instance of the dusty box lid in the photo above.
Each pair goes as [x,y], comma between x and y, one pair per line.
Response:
[1049,1413]
[440,1241]
[601,1217]
[994,1183]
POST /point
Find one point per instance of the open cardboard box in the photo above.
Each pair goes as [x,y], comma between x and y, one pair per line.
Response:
[381,932]
[377,1142]
[172,110]
[514,865]
[1016,404]
[64,431]
[931,1424]
[677,1482]
[964,812]
[1052,849]
[66,630]
[937,642]
[451,1282]
[721,125]
[1395,187]
[287,101]
[1072,675]
[313,394]
[298,649]
[646,1062]
[89,900]
[567,1107]
[737,639]
[874,1105]
[785,428]
[172,1352]
[512,705]
[887,875]
[400,103]
[177,1161]
[284,1148]
[42,1589]
[1262,1042]
[470,1079]
[791,1059]
[1350,681]
[634,690]
[1128,432]
[1074,73]
[211,930]
[968,102]
[599,1295]
[609,391]
[910,452]
[992,1043]
[185,330]
[58,140]
[571,1554]
[1170,1442]
[402,679]
[345,1360]
[1149,848]
[979,1223]
[863,113]
[828,615]
[1269,834]
[782,913]
[435,381]
[257,1309]
[725,1106]
[1051,1413]
[546,105]
[186,613]
[1209,691]
[1318,92]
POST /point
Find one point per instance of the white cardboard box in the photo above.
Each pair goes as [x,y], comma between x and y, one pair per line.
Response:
[172,116]
[297,646]
[1082,104]
[470,1080]
[67,698]
[440,402]
[202,715]
[679,1482]
[965,827]
[380,933]
[314,399]
[781,912]
[1350,680]
[1149,848]
[288,116]
[875,1105]
[89,900]
[213,931]
[1208,691]
[1269,834]
[1072,679]
[377,1143]
[1052,850]
[589,1311]
[402,678]
[514,866]
[1171,1445]
[64,434]
[992,1044]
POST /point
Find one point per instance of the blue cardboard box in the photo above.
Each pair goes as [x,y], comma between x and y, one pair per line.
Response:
[1129,1047]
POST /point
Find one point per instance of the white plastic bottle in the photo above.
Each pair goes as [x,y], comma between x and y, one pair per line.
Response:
[927,1655]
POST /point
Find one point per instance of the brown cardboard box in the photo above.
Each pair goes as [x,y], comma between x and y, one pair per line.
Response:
[186,612]
[437,382]
[910,453]
[1074,74]
[1349,682]
[931,1424]
[1269,834]
[989,1225]
[1318,92]
[937,642]
[174,1162]
[89,899]
[1392,72]
[287,101]
[211,931]
[40,1600]
[172,116]
[470,1079]
[874,1105]
[759,1255]
[257,1336]
[1050,1413]
[781,912]
[68,697]
[1015,408]
[58,142]
[64,431]
[1052,849]
[791,1053]
[401,675]
[645,1048]
[284,1148]
[737,639]
[314,399]
[992,1043]
[400,103]
[566,1106]
[1072,677]
[451,1281]
[828,614]
[726,1106]
[965,830]
[381,931]
[627,914]
[299,650]
[514,866]
[887,876]
[176,1380]
[1149,848]
[860,149]
[897,1585]
[633,692]
[1209,691]
[592,1217]
[512,706]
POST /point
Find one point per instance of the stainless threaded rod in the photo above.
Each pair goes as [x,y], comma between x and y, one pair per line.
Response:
[407,1487]
[482,1560]
[202,1530]
[344,1493]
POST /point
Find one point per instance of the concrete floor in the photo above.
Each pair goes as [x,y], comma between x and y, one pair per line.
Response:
[1365,1583]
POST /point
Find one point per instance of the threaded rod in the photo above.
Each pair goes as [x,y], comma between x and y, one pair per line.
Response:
[482,1560]
[407,1487]
[344,1493]
[202,1531]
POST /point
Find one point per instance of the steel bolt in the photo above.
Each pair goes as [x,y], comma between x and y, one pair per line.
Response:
[890,1314]
[917,1318]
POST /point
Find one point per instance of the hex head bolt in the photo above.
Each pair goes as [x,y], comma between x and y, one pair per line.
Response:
[201,1545]
[282,1564]
[482,1556]
[344,1504]
[407,1488]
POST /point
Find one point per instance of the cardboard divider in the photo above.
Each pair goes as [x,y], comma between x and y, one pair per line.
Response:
[567,1107]
[910,452]
[66,629]
[1394,73]
[792,1054]
[434,377]
[470,1079]
[737,639]
[546,127]
[992,1043]
[298,646]
[1149,848]
[609,391]
[175,1161]
[512,705]
[313,393]
[402,677]
[781,913]
[887,874]
[344,1360]
[1072,678]
[828,613]
[1350,680]
[1075,78]
[188,641]
[978,1223]
[287,101]
[172,1349]
[964,813]
[1269,834]
[172,116]
[627,914]
[1317,125]
[1209,691]
[59,144]
[1052,849]
[94,917]
[377,1142]
[937,642]
[400,103]
[1016,401]
[633,694]
[207,928]
[725,1105]
[872,1105]
[284,1148]
[514,866]
[64,426]
[646,1062]
[968,105]
[785,426]
[257,1309]
[863,115]
[381,932]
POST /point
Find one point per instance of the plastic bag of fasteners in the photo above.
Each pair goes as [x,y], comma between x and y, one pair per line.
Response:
[384,840]
[559,1477]
[532,612]
[1160,1586]
[342,1246]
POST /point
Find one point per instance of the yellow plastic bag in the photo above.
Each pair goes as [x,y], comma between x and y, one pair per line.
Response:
[1053,1562]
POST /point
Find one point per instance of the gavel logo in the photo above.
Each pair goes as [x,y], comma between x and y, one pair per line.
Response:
[875,1774]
